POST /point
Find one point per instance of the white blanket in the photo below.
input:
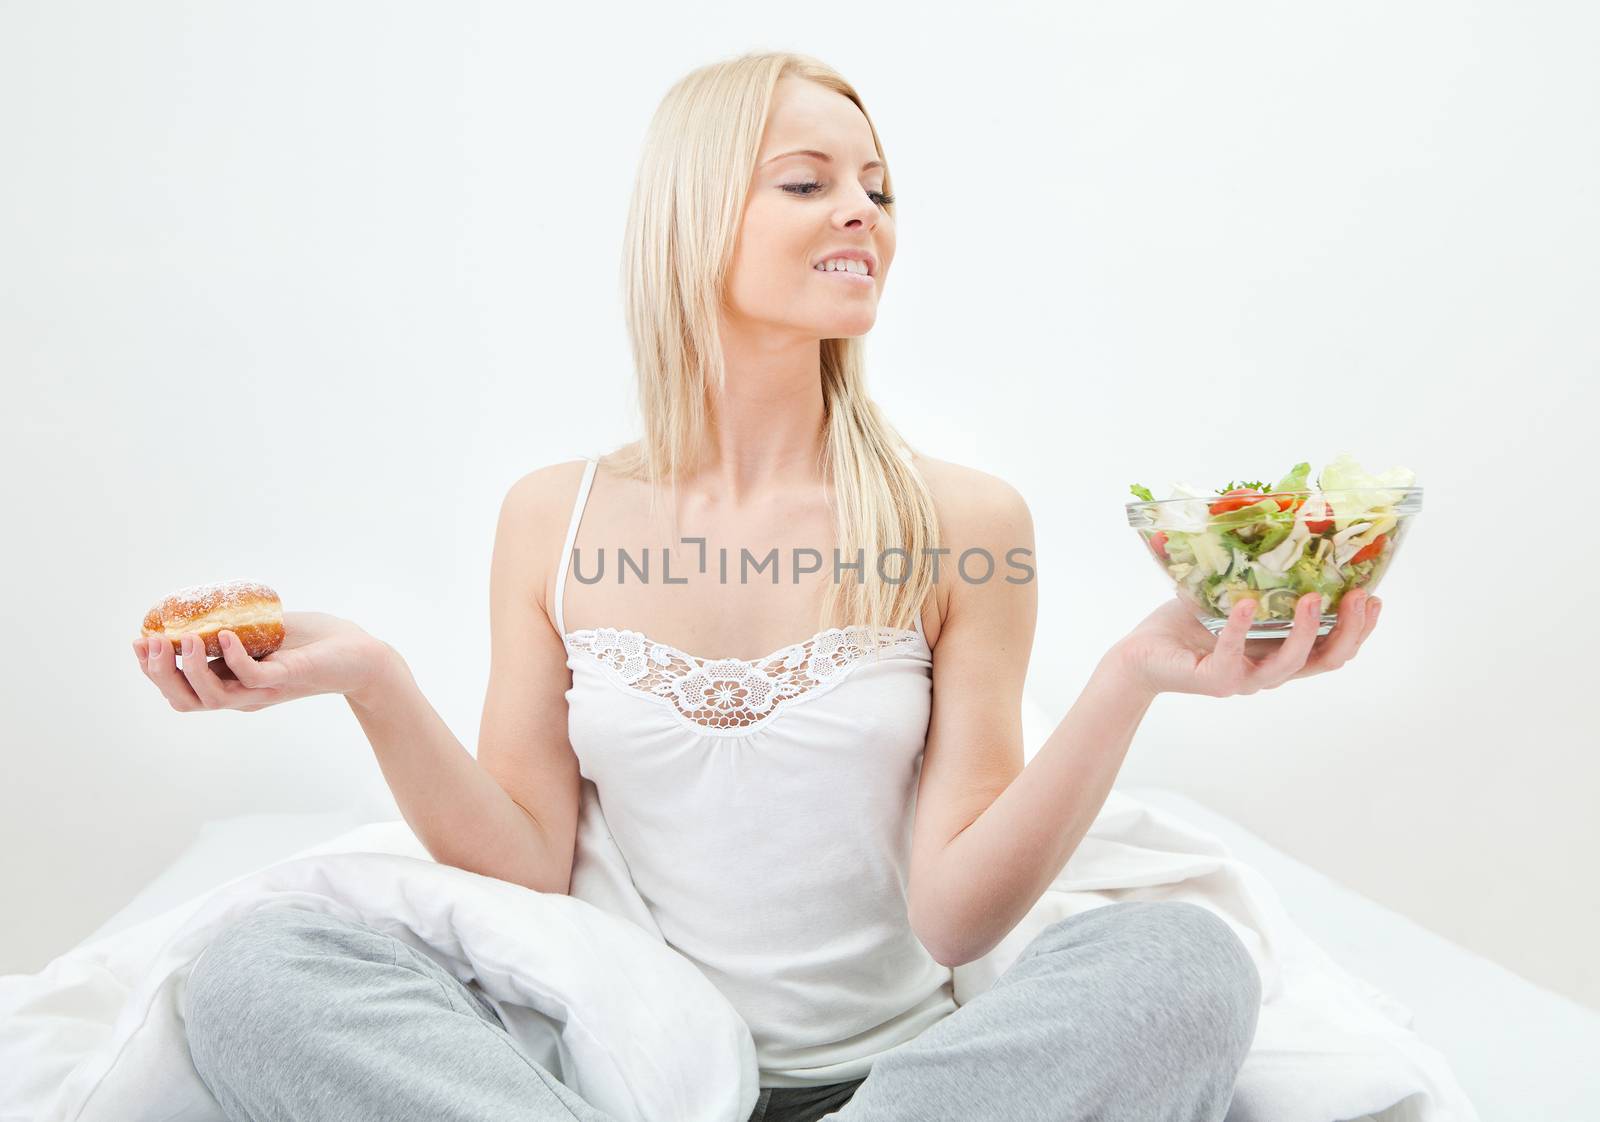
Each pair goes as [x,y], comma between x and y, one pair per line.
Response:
[589,989]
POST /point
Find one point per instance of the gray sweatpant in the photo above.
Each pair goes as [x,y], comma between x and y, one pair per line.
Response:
[1141,1011]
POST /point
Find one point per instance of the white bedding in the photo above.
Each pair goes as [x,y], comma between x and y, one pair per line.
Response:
[97,1034]
[1520,1051]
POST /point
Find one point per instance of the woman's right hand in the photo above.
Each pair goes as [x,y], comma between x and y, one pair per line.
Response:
[320,654]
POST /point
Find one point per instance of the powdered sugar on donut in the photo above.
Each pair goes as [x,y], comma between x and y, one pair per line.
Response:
[203,599]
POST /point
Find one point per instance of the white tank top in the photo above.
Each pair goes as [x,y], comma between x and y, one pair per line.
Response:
[764,808]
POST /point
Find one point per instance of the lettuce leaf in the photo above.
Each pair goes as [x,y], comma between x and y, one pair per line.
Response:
[1296,479]
[1362,493]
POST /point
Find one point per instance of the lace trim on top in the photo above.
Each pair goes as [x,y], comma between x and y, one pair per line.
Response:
[731,695]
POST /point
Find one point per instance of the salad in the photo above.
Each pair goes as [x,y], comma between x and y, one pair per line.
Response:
[1275,545]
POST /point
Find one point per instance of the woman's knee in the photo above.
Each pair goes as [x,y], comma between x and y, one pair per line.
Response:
[1210,970]
[1190,957]
[248,979]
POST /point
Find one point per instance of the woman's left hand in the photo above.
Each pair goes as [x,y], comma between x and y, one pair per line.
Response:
[1173,652]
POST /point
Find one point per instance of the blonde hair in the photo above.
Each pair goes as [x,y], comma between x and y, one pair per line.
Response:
[683,223]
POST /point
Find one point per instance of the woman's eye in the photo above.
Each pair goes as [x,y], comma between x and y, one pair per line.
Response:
[804,189]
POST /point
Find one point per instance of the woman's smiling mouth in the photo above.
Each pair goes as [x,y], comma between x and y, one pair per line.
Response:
[860,279]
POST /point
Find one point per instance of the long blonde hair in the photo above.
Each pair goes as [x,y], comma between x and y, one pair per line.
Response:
[683,223]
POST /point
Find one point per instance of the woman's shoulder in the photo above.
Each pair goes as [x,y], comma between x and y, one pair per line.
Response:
[534,518]
[976,510]
[968,500]
[549,485]
[562,477]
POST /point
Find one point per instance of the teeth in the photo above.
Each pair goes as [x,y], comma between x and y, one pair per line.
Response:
[843,265]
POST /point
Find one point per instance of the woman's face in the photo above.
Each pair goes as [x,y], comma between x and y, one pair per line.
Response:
[791,226]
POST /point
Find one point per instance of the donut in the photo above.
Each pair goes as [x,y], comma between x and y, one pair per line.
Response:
[249,609]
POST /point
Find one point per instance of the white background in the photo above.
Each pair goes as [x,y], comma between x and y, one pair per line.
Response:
[294,292]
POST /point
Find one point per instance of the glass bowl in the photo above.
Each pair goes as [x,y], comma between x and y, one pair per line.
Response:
[1274,548]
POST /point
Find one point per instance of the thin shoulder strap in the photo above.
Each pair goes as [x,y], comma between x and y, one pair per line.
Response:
[572,535]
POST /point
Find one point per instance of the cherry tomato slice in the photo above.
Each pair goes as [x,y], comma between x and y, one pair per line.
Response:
[1320,525]
[1228,502]
[1371,549]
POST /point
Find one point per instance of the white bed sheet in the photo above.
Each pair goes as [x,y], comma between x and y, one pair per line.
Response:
[1519,1051]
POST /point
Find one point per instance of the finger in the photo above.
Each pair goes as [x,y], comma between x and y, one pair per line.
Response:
[237,659]
[256,675]
[215,690]
[1293,651]
[195,668]
[1345,637]
[1228,655]
[162,668]
[217,685]
[141,655]
[1374,606]
[1370,620]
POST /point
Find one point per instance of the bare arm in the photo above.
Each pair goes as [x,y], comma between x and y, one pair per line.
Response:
[992,873]
[990,834]
[456,809]
[511,812]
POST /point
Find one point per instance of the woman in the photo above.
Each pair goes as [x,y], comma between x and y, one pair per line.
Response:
[824,825]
